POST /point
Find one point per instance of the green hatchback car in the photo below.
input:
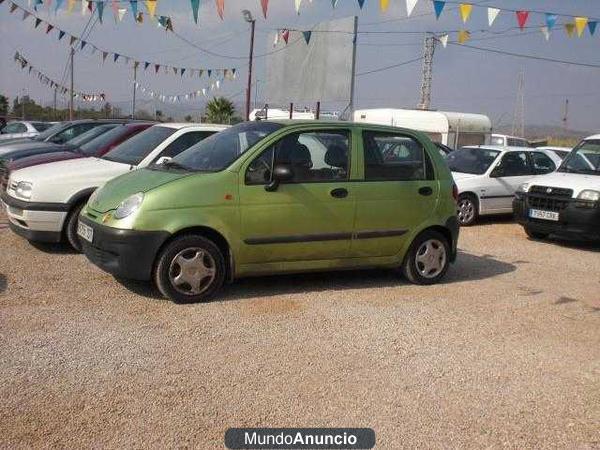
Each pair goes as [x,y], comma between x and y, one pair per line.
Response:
[277,197]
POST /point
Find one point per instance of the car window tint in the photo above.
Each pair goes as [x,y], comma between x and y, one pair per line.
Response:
[514,164]
[390,156]
[71,132]
[14,127]
[542,163]
[41,126]
[184,142]
[313,156]
[134,150]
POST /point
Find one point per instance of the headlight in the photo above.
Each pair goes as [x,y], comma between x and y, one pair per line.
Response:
[129,205]
[24,189]
[523,188]
[589,195]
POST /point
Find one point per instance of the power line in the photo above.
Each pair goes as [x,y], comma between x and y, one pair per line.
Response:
[393,66]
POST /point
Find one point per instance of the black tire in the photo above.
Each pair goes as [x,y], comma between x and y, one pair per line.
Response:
[71,227]
[536,235]
[413,268]
[189,247]
[467,209]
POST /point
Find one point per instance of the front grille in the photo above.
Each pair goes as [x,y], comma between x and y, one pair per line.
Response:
[547,203]
[549,191]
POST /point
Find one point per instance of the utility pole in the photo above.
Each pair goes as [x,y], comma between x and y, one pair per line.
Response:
[55,112]
[252,21]
[427,75]
[23,105]
[135,66]
[565,119]
[518,128]
[72,94]
[353,75]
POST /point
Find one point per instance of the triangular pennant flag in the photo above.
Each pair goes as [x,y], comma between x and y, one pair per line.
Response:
[209,72]
[70,5]
[570,28]
[114,4]
[181,71]
[276,40]
[83,43]
[492,14]
[175,70]
[151,7]
[146,64]
[104,55]
[444,40]
[361,3]
[465,11]
[438,7]
[307,35]
[220,8]
[383,5]
[265,6]
[546,32]
[58,5]
[140,17]
[522,17]
[134,8]
[297,6]
[72,40]
[334,3]
[25,14]
[195,7]
[200,72]
[463,36]
[121,13]
[410,6]
[115,57]
[61,34]
[13,7]
[551,20]
[285,34]
[156,67]
[592,26]
[49,28]
[37,22]
[100,10]
[580,24]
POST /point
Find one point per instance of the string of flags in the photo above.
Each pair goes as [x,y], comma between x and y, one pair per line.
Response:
[83,45]
[47,81]
[176,98]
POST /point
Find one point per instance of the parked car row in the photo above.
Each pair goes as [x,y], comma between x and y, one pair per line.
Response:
[23,129]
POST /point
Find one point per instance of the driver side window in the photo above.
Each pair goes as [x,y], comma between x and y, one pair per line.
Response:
[514,164]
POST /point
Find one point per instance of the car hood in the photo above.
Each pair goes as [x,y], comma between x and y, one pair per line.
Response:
[42,159]
[26,145]
[8,140]
[463,176]
[143,180]
[576,181]
[30,150]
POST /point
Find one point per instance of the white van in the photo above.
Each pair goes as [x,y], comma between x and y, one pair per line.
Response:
[453,129]
[505,140]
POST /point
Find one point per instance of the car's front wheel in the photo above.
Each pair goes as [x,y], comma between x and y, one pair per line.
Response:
[71,227]
[467,211]
[190,269]
[428,259]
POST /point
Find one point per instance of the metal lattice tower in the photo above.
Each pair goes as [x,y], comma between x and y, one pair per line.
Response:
[428,51]
[518,128]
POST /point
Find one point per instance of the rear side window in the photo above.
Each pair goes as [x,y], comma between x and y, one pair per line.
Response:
[184,142]
[41,126]
[541,163]
[515,164]
[71,132]
[15,127]
[390,156]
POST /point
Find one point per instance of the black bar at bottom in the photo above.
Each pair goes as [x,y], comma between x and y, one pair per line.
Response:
[300,438]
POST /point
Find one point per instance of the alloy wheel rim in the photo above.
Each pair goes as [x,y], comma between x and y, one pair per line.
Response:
[466,210]
[192,271]
[431,258]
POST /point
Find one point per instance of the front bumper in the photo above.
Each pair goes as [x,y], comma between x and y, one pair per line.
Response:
[123,253]
[574,221]
[42,222]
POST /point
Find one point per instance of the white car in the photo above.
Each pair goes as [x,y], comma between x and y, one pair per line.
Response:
[488,176]
[561,152]
[43,202]
[566,202]
[505,140]
[22,129]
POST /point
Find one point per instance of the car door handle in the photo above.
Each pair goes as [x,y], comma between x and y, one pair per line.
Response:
[339,193]
[425,190]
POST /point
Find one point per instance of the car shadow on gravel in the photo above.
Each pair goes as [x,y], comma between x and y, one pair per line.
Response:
[143,288]
[3,283]
[589,246]
[60,248]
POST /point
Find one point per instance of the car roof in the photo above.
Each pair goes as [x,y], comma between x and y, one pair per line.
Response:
[341,124]
[595,136]
[201,126]
[503,148]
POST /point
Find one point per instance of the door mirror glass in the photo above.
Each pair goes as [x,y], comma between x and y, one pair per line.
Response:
[282,173]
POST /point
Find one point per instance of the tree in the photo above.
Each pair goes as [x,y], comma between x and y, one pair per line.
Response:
[188,118]
[220,110]
[3,105]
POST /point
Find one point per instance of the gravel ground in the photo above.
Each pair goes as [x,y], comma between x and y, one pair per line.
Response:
[506,353]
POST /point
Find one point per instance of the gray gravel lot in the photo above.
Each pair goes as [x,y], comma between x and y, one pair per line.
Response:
[506,353]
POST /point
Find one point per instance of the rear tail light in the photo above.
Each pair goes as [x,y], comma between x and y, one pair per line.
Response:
[455,192]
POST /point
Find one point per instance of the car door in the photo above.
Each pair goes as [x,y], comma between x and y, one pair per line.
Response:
[311,216]
[541,163]
[509,172]
[397,194]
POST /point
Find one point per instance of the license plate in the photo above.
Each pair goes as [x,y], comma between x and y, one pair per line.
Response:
[544,215]
[85,231]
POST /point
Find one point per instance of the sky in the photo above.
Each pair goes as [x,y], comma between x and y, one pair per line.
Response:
[464,79]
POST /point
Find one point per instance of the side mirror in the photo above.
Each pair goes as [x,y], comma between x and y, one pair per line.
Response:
[497,172]
[163,159]
[281,174]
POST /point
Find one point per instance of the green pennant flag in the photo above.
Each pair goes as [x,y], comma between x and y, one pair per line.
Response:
[195,6]
[100,9]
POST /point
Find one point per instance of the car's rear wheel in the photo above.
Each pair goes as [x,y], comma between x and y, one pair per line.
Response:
[467,210]
[190,269]
[535,234]
[428,259]
[71,227]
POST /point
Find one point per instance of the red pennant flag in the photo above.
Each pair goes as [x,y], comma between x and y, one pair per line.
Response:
[49,29]
[265,6]
[522,17]
[285,34]
[156,67]
[220,8]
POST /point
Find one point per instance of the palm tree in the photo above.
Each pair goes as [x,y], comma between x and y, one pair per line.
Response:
[219,110]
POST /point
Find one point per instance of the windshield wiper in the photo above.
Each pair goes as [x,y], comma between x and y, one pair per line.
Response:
[174,165]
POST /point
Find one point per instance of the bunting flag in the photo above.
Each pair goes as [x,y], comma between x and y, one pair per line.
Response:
[140,17]
[114,4]
[570,29]
[265,6]
[307,35]
[463,36]
[115,57]
[285,34]
[195,7]
[334,3]
[220,8]
[70,5]
[361,3]
[297,5]
[13,7]
[438,7]
[146,64]
[492,14]
[410,6]
[522,17]
[121,13]
[104,55]
[546,32]
[151,7]
[37,22]
[444,40]
[156,67]
[134,9]
[580,24]
[276,40]
[49,28]
[61,34]
[25,14]
[592,26]
[551,20]
[465,11]
[72,40]
[83,44]
[100,10]
[383,5]
[58,5]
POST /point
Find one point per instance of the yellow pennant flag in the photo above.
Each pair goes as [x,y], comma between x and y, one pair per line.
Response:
[465,11]
[70,5]
[463,36]
[383,5]
[570,27]
[580,24]
[151,6]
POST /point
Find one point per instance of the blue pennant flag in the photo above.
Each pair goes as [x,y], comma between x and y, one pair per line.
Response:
[116,57]
[134,9]
[61,34]
[307,35]
[592,27]
[195,6]
[83,44]
[438,7]
[551,20]
[146,64]
[361,3]
[100,9]
[58,3]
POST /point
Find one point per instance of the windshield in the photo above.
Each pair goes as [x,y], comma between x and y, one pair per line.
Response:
[91,148]
[471,160]
[51,131]
[585,158]
[134,150]
[41,126]
[218,151]
[90,135]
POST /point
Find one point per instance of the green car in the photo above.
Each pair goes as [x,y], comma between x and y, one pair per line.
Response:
[277,197]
